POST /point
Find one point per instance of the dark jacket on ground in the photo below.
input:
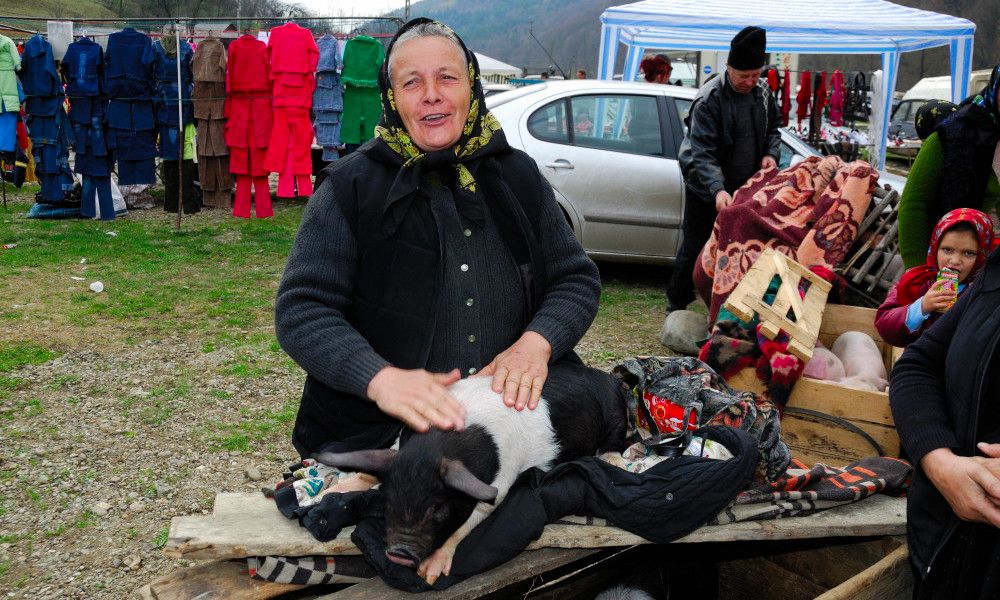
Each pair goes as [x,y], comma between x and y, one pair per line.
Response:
[362,291]
[943,396]
[706,151]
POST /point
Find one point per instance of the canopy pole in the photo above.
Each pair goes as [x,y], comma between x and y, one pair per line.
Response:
[180,126]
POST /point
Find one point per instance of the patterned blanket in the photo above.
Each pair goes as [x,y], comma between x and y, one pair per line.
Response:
[810,212]
[801,492]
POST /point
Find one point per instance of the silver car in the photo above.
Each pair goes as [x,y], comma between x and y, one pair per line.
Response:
[609,149]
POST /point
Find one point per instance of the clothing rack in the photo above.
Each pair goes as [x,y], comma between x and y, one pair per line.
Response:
[185,28]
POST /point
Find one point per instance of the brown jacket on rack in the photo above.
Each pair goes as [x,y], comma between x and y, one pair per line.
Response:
[209,97]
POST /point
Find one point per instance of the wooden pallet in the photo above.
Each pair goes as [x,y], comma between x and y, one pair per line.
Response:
[747,301]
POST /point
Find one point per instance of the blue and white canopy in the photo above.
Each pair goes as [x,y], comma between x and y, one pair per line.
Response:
[794,26]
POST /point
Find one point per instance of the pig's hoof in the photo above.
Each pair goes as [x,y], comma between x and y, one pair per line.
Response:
[437,563]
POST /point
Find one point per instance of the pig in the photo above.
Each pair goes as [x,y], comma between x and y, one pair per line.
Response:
[441,484]
[824,365]
[864,367]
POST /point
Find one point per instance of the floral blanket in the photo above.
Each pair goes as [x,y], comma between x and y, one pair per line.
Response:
[810,212]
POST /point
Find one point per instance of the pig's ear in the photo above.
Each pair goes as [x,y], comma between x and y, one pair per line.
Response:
[458,477]
[366,461]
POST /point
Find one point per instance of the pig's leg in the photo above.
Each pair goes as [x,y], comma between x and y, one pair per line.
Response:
[439,562]
[352,482]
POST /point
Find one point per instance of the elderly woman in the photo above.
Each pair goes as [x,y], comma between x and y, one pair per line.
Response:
[433,253]
[958,167]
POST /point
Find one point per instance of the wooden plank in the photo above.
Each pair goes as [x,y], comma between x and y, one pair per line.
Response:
[757,577]
[813,439]
[834,399]
[261,530]
[214,579]
[838,318]
[889,579]
[525,565]
[830,565]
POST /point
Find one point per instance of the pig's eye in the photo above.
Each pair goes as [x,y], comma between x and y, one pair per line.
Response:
[441,513]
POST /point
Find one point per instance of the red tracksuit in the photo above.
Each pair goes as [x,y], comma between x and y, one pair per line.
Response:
[249,123]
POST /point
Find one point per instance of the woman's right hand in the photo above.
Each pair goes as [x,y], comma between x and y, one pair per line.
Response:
[970,484]
[940,296]
[418,398]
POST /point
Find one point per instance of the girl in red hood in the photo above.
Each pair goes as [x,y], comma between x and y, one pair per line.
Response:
[959,242]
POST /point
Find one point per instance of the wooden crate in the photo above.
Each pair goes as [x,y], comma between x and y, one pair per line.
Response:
[814,439]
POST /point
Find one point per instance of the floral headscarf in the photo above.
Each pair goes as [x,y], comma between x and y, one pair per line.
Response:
[481,137]
[913,283]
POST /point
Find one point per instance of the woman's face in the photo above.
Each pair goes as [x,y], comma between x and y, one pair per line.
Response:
[958,250]
[430,83]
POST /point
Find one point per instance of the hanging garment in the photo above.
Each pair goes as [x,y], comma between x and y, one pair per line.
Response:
[818,103]
[328,99]
[169,123]
[83,68]
[837,99]
[293,58]
[363,57]
[248,106]
[786,98]
[10,62]
[772,79]
[804,97]
[130,86]
[49,127]
[209,69]
[248,120]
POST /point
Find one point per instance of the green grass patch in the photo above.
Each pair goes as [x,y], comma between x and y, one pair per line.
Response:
[17,355]
[160,539]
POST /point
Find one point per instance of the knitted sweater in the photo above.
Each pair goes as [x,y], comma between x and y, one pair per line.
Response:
[316,295]
[922,187]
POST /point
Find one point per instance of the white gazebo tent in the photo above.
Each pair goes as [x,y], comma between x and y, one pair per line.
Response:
[495,71]
[798,26]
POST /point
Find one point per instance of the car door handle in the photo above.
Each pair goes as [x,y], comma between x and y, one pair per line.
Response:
[561,163]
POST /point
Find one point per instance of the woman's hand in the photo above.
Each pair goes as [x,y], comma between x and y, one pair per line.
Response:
[970,484]
[768,162]
[722,200]
[418,398]
[940,296]
[520,371]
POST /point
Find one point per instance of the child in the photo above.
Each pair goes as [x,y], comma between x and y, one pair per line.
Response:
[960,242]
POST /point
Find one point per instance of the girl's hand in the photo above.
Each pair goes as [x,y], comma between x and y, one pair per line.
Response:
[940,296]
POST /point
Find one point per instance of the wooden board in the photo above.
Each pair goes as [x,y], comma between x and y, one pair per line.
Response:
[525,565]
[248,524]
[213,579]
[747,301]
[889,579]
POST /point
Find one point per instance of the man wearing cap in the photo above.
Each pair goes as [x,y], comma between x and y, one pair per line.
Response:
[732,133]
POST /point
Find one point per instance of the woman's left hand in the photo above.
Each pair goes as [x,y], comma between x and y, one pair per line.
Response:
[520,371]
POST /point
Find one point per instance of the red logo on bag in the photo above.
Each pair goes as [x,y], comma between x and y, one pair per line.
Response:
[668,416]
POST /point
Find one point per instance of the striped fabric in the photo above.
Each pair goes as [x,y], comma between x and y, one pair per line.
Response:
[802,26]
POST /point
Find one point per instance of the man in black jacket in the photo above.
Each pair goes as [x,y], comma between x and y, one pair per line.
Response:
[732,132]
[945,397]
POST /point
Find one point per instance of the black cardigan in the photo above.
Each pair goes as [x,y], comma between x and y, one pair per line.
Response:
[937,391]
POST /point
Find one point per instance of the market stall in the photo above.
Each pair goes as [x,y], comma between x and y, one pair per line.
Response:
[806,27]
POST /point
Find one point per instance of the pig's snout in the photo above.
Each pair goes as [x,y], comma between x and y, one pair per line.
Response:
[401,555]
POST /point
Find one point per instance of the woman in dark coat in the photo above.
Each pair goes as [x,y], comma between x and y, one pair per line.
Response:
[945,396]
[434,252]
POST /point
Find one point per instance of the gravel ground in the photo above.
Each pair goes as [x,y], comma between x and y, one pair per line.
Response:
[91,481]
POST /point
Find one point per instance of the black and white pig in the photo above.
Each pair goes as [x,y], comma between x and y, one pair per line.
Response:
[441,484]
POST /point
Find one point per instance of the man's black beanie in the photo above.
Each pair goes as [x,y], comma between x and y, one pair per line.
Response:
[746,51]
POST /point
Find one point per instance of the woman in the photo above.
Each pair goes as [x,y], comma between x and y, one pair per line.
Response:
[656,69]
[434,252]
[945,398]
[957,167]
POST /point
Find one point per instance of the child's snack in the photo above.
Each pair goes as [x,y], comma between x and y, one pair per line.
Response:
[951,276]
